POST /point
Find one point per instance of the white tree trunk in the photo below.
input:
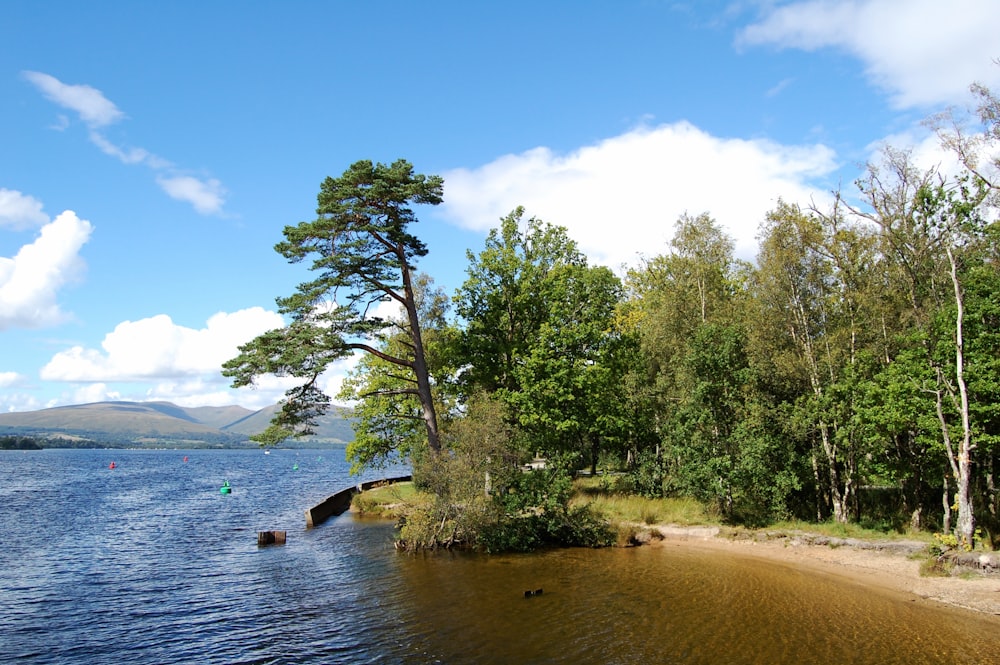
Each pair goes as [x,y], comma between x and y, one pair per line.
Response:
[966,526]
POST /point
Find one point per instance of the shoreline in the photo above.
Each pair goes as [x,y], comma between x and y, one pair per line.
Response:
[891,569]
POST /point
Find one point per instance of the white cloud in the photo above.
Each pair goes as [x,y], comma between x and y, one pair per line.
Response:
[923,52]
[161,360]
[30,281]
[19,211]
[621,197]
[333,379]
[925,148]
[94,108]
[779,87]
[93,392]
[10,400]
[199,392]
[207,196]
[126,156]
[13,402]
[157,348]
[389,310]
[9,380]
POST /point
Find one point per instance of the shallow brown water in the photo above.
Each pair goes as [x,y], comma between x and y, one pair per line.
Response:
[668,605]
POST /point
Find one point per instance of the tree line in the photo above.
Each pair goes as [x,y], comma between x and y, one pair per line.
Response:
[851,372]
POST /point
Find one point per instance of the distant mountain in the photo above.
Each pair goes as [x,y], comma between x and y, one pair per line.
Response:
[334,427]
[162,424]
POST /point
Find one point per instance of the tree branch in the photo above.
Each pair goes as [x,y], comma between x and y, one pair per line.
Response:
[367,348]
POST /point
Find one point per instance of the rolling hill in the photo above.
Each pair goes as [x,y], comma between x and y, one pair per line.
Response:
[162,424]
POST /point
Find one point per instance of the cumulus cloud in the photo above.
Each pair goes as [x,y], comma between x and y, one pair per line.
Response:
[158,348]
[11,402]
[923,53]
[10,379]
[93,392]
[19,211]
[620,198]
[207,196]
[30,281]
[202,391]
[174,363]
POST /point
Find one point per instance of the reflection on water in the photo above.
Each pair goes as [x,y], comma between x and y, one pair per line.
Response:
[148,563]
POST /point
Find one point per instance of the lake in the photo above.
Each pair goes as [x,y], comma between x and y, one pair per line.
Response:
[149,563]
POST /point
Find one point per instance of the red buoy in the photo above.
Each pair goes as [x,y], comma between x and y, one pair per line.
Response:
[111,466]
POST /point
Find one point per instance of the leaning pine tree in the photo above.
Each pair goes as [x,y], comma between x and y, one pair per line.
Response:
[363,254]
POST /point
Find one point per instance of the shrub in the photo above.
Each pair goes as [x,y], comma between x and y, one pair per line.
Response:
[482,499]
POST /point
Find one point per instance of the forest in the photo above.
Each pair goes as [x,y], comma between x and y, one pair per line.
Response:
[851,372]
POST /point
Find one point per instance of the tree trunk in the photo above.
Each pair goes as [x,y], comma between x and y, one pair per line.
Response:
[911,489]
[966,519]
[991,492]
[816,483]
[946,502]
[838,499]
[419,361]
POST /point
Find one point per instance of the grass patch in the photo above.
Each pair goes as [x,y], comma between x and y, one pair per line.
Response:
[934,566]
[620,508]
[850,530]
[388,502]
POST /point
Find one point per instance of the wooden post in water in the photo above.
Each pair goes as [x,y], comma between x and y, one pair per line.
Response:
[270,538]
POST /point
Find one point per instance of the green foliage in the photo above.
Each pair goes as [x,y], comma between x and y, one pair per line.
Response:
[647,476]
[503,299]
[362,253]
[481,498]
[540,332]
[537,513]
[387,425]
[571,365]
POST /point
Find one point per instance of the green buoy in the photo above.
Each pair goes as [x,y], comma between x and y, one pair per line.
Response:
[225,489]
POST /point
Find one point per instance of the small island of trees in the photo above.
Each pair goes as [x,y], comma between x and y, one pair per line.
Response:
[851,373]
[19,443]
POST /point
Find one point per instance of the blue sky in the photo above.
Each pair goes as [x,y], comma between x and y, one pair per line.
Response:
[151,153]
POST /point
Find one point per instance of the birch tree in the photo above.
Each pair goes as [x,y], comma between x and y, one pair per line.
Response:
[930,226]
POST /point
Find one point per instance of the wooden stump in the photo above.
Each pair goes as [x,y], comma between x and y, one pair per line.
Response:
[270,538]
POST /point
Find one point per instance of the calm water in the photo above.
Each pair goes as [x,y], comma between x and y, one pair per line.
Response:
[149,563]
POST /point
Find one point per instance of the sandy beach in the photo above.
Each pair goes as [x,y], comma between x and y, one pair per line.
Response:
[888,570]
